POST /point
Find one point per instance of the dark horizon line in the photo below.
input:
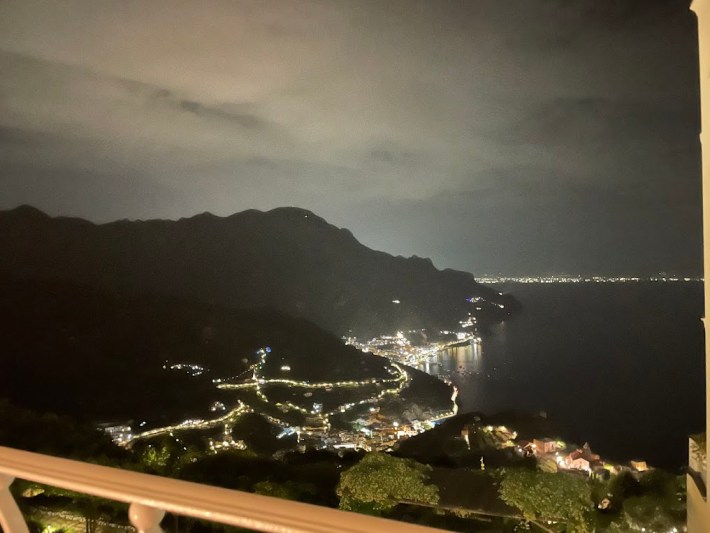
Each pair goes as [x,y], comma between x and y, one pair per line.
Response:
[631,277]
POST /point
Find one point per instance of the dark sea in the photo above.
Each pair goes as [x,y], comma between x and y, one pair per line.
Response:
[621,366]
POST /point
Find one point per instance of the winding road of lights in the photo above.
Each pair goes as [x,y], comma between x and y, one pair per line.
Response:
[319,424]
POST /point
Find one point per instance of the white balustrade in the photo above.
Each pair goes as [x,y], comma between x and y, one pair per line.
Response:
[11,518]
[145,519]
[150,497]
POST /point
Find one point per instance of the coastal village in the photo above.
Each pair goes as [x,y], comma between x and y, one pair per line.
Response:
[290,405]
[368,427]
[300,408]
[551,455]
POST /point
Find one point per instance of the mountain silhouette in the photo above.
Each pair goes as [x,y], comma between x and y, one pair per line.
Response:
[287,259]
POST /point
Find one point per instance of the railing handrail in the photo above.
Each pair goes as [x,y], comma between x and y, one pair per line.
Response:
[214,504]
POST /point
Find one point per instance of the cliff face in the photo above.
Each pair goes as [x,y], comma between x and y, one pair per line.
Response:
[286,259]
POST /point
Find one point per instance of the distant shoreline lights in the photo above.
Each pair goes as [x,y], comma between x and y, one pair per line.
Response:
[562,278]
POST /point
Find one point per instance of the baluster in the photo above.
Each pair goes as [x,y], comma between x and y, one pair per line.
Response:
[11,518]
[145,519]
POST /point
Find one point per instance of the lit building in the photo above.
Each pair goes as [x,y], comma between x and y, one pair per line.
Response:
[577,461]
[639,465]
[545,446]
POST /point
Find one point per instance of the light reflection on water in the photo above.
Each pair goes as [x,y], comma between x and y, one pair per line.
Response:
[466,359]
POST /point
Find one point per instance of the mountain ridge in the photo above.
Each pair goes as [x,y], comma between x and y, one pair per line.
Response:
[287,258]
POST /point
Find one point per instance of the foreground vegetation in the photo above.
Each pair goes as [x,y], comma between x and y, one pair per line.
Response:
[460,499]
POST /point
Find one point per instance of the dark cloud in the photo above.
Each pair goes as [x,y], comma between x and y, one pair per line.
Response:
[239,114]
[613,15]
[392,154]
[605,120]
[12,136]
[245,120]
[563,23]
[519,136]
[235,113]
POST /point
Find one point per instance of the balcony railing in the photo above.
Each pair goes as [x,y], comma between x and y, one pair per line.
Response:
[150,497]
[697,462]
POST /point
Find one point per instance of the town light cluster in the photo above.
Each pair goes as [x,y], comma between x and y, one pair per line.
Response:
[372,433]
[567,278]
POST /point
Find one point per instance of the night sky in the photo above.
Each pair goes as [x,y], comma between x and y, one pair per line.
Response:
[511,136]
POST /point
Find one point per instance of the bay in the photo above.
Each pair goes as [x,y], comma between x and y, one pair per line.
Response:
[620,366]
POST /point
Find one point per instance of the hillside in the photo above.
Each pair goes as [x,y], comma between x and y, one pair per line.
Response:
[286,259]
[95,355]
